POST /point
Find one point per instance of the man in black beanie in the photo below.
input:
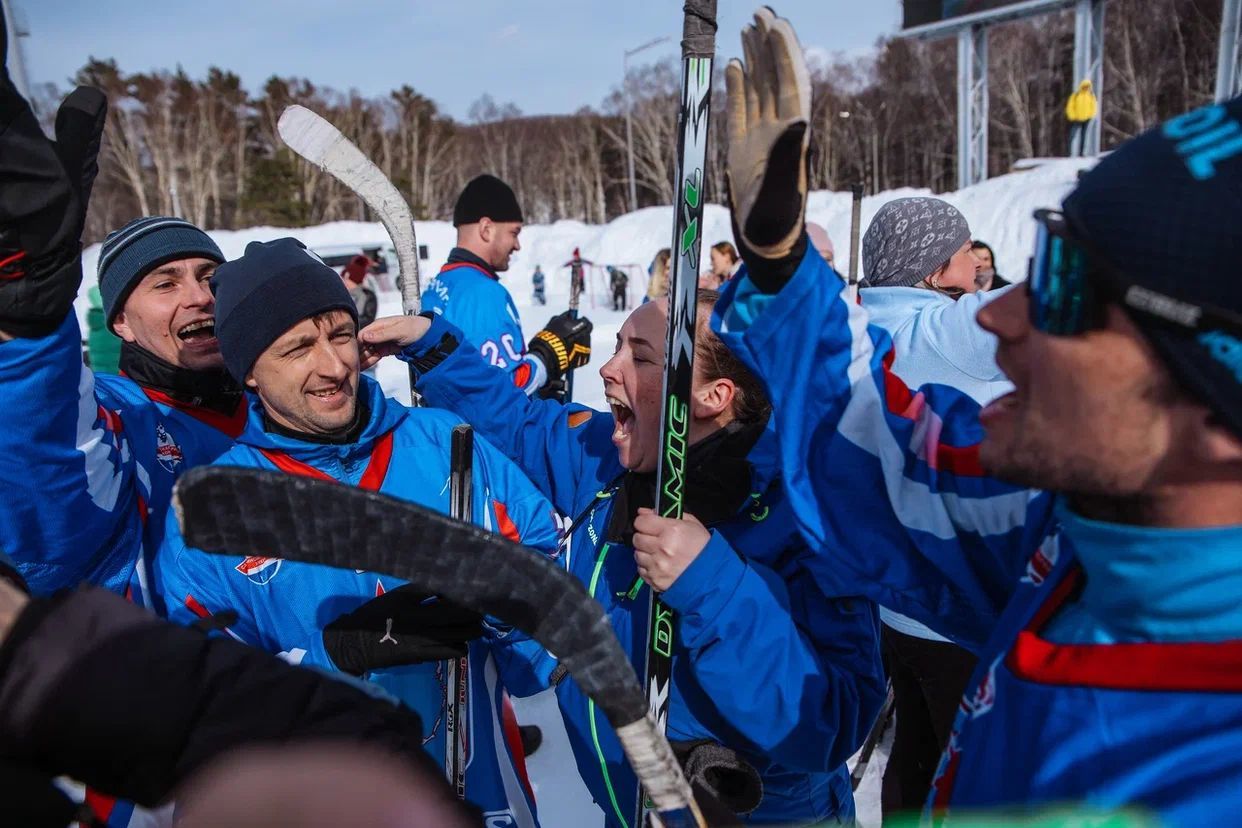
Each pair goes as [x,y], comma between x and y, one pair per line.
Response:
[468,293]
[1081,534]
[288,331]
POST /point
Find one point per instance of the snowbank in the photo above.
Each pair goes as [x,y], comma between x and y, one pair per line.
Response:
[999,211]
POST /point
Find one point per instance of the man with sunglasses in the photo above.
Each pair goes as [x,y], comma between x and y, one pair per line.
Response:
[1080,534]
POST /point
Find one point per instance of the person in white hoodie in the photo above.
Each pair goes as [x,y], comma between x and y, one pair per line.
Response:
[920,287]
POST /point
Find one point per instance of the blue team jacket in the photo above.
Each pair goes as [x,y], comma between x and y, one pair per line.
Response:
[765,661]
[87,465]
[283,606]
[470,296]
[1151,722]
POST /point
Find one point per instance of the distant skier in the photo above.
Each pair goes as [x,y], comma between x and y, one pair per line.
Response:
[313,414]
[1080,534]
[1079,110]
[577,276]
[468,293]
[620,284]
[538,282]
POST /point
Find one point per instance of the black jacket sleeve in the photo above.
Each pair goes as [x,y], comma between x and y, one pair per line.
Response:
[98,689]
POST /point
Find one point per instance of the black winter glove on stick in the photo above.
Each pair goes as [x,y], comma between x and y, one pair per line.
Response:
[44,190]
[731,780]
[564,344]
[397,628]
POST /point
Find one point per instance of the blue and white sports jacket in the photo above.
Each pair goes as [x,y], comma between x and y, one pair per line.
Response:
[765,661]
[283,606]
[87,465]
[469,294]
[1077,697]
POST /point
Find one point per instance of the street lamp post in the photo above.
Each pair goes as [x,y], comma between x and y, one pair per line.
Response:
[629,126]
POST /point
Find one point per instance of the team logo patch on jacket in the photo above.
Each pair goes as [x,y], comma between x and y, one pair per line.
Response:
[1042,562]
[166,449]
[984,696]
[258,570]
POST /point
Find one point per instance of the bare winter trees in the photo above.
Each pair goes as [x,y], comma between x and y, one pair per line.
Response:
[207,148]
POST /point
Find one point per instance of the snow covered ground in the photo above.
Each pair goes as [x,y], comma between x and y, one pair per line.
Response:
[999,211]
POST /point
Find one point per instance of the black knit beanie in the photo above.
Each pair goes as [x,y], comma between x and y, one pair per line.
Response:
[486,197]
[1165,211]
[271,288]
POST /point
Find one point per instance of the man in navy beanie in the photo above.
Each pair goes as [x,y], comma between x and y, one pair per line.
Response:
[468,293]
[1081,534]
[288,330]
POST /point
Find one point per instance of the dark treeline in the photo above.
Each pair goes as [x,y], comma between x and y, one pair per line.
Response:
[214,142]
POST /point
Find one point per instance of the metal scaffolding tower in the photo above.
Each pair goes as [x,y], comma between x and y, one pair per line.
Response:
[1089,61]
[972,105]
[1229,67]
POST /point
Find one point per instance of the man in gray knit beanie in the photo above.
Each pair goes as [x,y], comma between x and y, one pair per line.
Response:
[910,239]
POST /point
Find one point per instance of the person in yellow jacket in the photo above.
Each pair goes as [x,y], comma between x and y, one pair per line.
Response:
[1079,110]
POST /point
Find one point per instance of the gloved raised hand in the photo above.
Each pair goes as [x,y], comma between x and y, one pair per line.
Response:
[400,627]
[44,189]
[564,344]
[769,108]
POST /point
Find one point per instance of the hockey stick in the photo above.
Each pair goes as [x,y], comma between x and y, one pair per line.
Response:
[873,740]
[698,46]
[230,510]
[855,228]
[457,672]
[319,142]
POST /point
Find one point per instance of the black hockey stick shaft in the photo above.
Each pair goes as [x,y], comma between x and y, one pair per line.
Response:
[698,46]
[230,510]
[873,739]
[457,671]
[855,229]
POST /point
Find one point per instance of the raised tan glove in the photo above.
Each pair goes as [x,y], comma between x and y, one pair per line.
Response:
[769,110]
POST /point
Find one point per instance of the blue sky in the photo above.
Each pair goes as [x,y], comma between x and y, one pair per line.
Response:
[546,56]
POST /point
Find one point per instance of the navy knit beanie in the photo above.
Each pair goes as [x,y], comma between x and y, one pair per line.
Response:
[486,196]
[1165,211]
[141,246]
[271,288]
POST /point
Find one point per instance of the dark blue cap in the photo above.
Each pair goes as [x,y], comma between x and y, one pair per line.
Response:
[1165,210]
[271,288]
[141,246]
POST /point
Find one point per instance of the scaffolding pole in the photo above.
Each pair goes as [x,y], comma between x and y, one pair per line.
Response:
[1229,65]
[972,105]
[1089,63]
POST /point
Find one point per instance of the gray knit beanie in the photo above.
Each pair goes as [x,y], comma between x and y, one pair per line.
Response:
[909,239]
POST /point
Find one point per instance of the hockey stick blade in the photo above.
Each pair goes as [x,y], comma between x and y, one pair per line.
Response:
[319,142]
[228,510]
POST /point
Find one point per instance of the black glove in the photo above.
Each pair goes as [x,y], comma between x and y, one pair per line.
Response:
[404,626]
[564,344]
[29,797]
[730,779]
[557,390]
[44,190]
